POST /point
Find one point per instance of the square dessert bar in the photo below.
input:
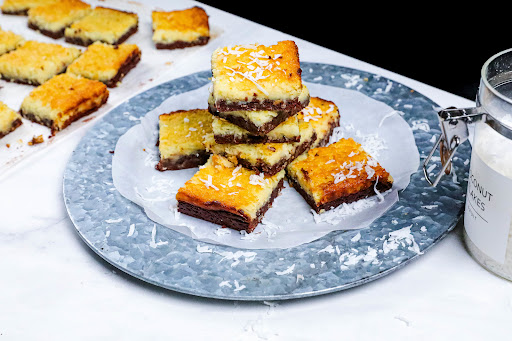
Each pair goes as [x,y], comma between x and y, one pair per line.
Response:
[229,195]
[257,122]
[227,132]
[51,20]
[9,120]
[257,77]
[35,62]
[181,140]
[62,100]
[106,63]
[21,7]
[323,116]
[102,24]
[9,41]
[340,173]
[180,29]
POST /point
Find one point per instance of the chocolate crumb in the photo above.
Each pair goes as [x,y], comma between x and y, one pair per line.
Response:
[36,140]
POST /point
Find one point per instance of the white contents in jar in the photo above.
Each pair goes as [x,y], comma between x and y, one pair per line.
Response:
[488,214]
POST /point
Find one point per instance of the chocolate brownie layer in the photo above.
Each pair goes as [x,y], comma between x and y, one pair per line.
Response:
[182,44]
[15,124]
[52,34]
[368,192]
[290,106]
[228,219]
[183,162]
[250,126]
[20,12]
[250,139]
[129,64]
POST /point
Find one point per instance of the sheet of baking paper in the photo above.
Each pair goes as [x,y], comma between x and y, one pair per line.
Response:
[290,221]
[155,67]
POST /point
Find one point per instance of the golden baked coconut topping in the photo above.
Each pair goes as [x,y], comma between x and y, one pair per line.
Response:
[104,24]
[183,132]
[242,72]
[338,170]
[63,12]
[64,92]
[191,19]
[9,41]
[219,184]
[102,61]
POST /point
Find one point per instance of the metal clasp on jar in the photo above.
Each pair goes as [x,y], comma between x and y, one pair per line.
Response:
[454,131]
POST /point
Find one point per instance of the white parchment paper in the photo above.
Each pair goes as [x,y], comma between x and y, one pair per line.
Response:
[290,221]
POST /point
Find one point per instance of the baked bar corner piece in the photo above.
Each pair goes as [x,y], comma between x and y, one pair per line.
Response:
[9,41]
[9,120]
[180,29]
[103,24]
[181,139]
[229,195]
[258,77]
[51,20]
[106,63]
[342,172]
[323,116]
[62,100]
[36,62]
[21,7]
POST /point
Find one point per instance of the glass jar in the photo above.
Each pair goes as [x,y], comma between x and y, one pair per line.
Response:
[488,212]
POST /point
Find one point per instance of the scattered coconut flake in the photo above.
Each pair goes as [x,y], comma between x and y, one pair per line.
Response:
[132,230]
[152,242]
[209,183]
[113,221]
[203,249]
[429,207]
[287,271]
[328,249]
[356,238]
[401,237]
[238,287]
[225,284]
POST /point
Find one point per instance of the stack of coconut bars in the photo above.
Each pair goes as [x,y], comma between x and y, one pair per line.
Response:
[261,123]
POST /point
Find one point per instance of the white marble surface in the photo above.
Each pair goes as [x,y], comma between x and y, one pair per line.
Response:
[53,287]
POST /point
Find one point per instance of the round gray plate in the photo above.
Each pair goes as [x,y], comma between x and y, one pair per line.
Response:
[120,232]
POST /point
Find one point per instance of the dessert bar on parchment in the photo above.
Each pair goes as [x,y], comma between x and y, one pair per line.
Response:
[106,63]
[9,120]
[227,132]
[229,195]
[339,173]
[180,29]
[35,62]
[9,41]
[21,7]
[103,24]
[62,100]
[52,19]
[181,139]
[257,77]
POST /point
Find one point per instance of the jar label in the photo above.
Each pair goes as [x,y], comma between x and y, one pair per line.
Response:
[488,209]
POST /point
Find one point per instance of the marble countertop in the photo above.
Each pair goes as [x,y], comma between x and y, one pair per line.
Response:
[54,287]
